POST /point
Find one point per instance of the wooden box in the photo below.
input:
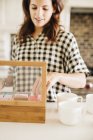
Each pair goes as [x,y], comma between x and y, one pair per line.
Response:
[24,110]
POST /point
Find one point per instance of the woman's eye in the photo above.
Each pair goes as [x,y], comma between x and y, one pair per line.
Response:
[34,8]
[45,9]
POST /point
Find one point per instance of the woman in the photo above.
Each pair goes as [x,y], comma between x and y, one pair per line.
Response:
[40,38]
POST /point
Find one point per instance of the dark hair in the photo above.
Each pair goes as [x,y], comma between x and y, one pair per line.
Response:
[49,30]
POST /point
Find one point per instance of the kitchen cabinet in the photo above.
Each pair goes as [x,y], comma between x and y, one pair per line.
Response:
[5,45]
[11,15]
[10,19]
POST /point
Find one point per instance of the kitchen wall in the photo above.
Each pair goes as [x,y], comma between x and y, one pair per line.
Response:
[82,27]
[66,14]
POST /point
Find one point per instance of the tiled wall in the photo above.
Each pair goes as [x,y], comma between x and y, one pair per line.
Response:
[82,27]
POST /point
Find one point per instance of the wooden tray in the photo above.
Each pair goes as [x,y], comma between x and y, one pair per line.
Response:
[25,111]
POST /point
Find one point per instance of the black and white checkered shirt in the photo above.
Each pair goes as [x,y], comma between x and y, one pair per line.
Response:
[61,56]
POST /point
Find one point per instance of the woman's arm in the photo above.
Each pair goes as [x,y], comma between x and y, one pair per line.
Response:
[73,80]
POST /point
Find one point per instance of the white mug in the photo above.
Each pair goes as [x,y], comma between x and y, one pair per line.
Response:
[70,113]
[89,103]
[67,97]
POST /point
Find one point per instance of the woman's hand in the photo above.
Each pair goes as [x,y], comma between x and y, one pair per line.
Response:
[36,89]
[51,79]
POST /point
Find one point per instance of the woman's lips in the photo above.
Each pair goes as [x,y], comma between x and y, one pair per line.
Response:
[38,19]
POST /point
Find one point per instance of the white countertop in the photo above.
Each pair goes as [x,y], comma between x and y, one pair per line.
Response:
[51,130]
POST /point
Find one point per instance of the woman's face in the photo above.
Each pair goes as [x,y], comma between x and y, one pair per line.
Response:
[40,12]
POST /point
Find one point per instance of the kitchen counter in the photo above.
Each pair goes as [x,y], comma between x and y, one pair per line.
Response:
[53,129]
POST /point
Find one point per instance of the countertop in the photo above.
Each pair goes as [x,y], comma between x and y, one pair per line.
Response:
[53,129]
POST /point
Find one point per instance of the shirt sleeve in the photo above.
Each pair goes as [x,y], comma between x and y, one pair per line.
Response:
[75,62]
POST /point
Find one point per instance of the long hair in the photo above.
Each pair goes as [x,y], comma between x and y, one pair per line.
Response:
[49,30]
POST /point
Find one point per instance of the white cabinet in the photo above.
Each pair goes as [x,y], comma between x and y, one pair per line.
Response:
[11,15]
[2,14]
[5,46]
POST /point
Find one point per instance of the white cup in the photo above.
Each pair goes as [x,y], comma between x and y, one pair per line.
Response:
[67,97]
[70,113]
[89,103]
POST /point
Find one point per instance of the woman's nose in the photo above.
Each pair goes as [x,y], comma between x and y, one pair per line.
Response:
[39,13]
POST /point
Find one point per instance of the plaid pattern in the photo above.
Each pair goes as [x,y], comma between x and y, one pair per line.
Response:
[61,56]
[24,78]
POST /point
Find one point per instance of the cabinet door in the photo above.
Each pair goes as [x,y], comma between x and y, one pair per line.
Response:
[2,12]
[13,12]
[2,55]
[5,45]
